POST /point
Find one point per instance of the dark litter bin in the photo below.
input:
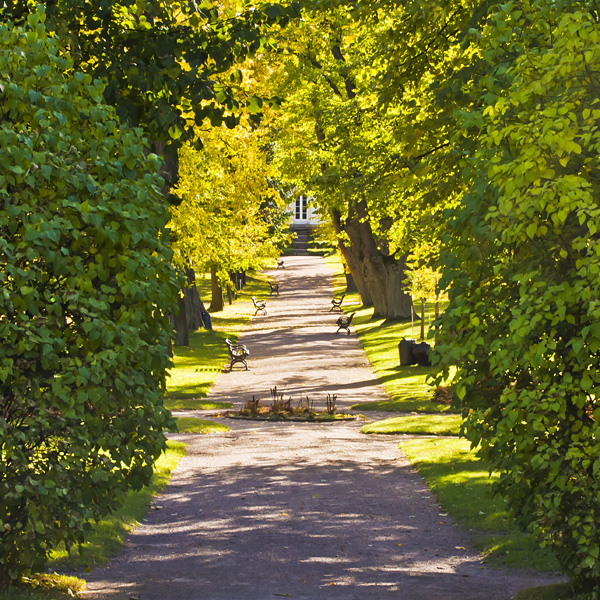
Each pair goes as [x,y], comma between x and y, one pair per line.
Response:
[420,354]
[405,350]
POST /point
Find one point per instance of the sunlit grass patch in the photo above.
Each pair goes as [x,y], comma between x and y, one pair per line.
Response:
[192,425]
[197,366]
[461,483]
[406,385]
[49,586]
[425,424]
[174,404]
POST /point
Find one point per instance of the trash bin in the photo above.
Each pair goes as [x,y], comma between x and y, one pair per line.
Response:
[405,350]
[420,354]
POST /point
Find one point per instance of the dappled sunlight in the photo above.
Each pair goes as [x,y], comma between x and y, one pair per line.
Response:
[305,531]
[269,505]
[268,509]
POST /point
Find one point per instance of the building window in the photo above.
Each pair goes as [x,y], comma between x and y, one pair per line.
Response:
[301,208]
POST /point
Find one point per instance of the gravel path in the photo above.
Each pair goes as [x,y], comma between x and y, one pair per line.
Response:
[306,511]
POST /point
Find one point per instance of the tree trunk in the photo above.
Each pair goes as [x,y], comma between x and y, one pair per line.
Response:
[379,278]
[236,285]
[182,337]
[352,262]
[216,302]
[193,303]
[350,283]
[236,279]
[169,168]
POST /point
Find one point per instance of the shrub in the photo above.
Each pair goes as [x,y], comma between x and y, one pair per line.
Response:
[85,291]
[524,319]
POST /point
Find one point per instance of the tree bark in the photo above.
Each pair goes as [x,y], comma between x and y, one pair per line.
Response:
[216,302]
[379,277]
[193,303]
[350,283]
[352,261]
[182,337]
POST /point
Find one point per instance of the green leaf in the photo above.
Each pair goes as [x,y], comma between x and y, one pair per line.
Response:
[254,104]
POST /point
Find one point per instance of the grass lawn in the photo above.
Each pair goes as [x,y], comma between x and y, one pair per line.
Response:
[45,587]
[559,591]
[406,385]
[461,484]
[192,425]
[416,424]
[196,366]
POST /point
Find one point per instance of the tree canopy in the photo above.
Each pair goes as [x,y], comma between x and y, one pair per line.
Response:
[228,219]
[162,61]
[360,132]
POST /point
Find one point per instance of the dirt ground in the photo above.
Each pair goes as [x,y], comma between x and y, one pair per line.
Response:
[299,510]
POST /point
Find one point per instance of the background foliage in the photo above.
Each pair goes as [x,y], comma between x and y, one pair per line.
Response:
[228,217]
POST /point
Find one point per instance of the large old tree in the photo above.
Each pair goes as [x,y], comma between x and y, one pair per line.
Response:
[358,144]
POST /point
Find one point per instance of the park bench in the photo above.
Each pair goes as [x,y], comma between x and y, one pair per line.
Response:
[280,264]
[237,353]
[273,288]
[260,306]
[337,303]
[344,323]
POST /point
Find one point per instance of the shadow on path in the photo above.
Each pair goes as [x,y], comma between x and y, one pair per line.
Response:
[306,511]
